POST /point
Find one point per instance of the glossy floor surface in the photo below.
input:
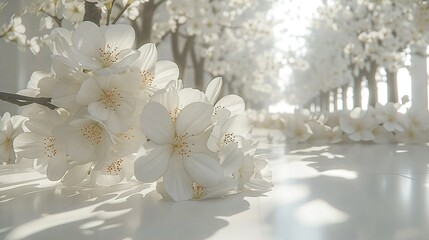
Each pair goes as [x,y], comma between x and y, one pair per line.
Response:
[337,192]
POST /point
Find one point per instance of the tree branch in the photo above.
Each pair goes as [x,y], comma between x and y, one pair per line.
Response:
[121,12]
[159,3]
[163,38]
[109,12]
[92,13]
[21,100]
[58,20]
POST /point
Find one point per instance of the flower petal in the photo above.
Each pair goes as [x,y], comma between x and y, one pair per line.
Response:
[235,104]
[152,162]
[148,57]
[239,125]
[90,91]
[190,95]
[98,178]
[227,184]
[165,71]
[117,125]
[57,167]
[176,182]
[167,97]
[194,118]
[29,145]
[231,158]
[347,124]
[64,95]
[213,90]
[127,57]
[76,174]
[156,123]
[128,105]
[98,111]
[87,38]
[203,169]
[121,36]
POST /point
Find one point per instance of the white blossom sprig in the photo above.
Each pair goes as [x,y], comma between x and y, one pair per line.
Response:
[389,123]
[121,112]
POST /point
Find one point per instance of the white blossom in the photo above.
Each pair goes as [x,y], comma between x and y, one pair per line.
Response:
[10,128]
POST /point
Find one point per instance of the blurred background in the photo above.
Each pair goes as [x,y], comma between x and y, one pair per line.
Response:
[279,55]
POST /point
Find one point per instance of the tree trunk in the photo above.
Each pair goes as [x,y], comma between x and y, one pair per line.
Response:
[324,101]
[335,99]
[317,103]
[392,86]
[418,72]
[372,85]
[92,13]
[198,62]
[199,75]
[357,91]
[180,55]
[344,96]
[147,22]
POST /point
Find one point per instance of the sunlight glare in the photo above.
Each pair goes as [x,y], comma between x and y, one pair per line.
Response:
[318,213]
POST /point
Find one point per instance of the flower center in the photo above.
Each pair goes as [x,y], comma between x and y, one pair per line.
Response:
[228,138]
[359,127]
[198,191]
[115,167]
[217,108]
[128,135]
[111,99]
[93,133]
[299,132]
[108,55]
[147,78]
[174,114]
[49,148]
[181,145]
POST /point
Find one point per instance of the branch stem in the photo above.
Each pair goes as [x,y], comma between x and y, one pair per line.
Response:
[21,100]
[121,12]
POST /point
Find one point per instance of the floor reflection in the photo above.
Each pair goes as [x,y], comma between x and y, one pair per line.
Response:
[336,192]
[40,209]
[352,191]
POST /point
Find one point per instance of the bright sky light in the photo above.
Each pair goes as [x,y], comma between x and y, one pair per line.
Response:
[294,17]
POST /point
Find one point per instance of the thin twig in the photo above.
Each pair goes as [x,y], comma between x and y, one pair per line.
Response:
[21,100]
[163,37]
[109,12]
[122,12]
[58,20]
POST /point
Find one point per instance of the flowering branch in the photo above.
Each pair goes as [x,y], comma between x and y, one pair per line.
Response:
[21,100]
[58,20]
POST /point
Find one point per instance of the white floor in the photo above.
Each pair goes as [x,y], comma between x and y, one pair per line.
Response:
[338,192]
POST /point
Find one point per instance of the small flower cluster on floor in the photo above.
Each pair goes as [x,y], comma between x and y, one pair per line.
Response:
[122,113]
[382,124]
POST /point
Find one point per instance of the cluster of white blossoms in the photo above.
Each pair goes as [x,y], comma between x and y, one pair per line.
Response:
[14,31]
[382,124]
[122,113]
[10,127]
[199,147]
